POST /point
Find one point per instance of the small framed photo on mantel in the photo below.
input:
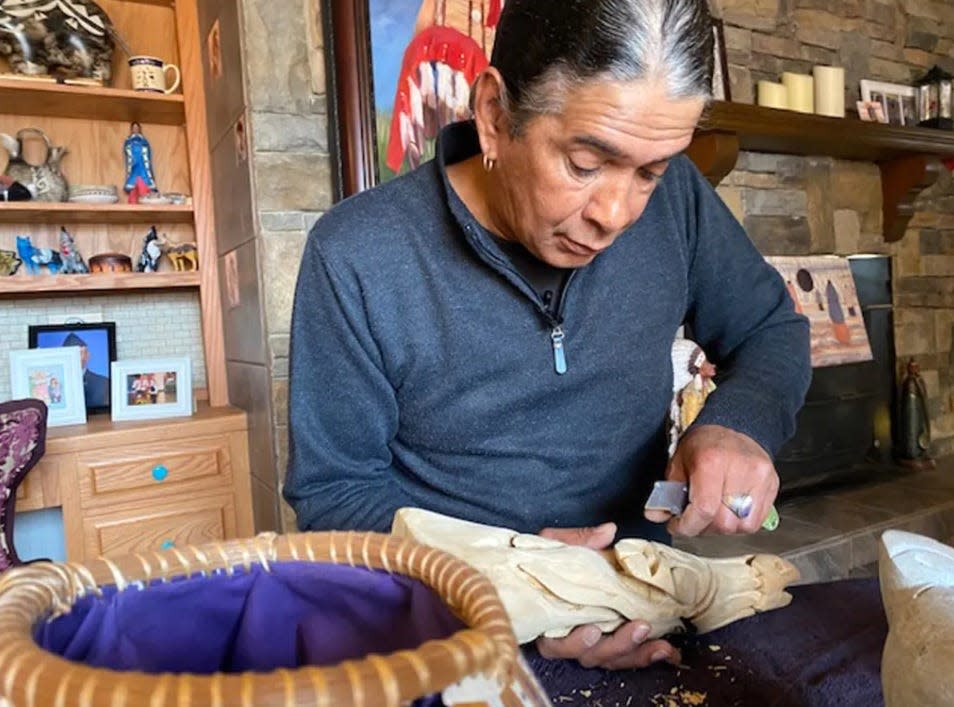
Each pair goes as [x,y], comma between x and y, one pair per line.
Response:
[151,388]
[54,376]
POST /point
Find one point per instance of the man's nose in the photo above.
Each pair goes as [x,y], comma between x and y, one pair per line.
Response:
[615,206]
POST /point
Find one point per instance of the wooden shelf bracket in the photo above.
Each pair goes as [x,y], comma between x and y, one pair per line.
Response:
[715,154]
[902,181]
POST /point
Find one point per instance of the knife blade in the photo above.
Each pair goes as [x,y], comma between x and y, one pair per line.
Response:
[673,497]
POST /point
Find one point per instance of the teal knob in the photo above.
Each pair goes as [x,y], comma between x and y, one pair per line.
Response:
[167,545]
[160,472]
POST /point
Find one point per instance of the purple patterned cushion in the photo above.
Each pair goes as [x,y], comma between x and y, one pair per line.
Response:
[22,443]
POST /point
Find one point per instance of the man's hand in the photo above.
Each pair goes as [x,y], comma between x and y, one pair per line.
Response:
[626,647]
[718,463]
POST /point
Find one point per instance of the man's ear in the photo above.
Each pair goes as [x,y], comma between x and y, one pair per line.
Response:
[493,122]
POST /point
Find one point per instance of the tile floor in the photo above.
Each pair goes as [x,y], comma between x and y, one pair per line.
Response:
[833,534]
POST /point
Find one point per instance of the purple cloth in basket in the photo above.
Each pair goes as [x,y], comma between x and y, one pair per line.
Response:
[822,650]
[297,614]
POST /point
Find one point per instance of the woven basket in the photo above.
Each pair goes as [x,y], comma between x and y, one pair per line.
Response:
[31,676]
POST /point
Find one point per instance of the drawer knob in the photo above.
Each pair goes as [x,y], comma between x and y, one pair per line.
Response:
[160,472]
[167,545]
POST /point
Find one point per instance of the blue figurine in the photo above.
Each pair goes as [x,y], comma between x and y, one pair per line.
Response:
[34,258]
[138,155]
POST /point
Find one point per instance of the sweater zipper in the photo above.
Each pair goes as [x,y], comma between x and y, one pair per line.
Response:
[557,334]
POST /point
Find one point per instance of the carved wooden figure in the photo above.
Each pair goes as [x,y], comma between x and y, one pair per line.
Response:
[549,588]
[184,257]
[917,587]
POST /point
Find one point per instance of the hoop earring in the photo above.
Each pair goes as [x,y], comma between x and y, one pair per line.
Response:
[489,163]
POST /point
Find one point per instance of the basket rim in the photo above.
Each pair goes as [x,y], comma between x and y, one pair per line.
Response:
[44,590]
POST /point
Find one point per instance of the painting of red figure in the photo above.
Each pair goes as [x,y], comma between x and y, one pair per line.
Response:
[823,289]
[425,54]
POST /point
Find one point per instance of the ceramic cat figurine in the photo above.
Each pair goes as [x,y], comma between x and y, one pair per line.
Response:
[35,257]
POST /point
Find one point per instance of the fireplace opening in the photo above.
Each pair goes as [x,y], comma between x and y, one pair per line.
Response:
[845,430]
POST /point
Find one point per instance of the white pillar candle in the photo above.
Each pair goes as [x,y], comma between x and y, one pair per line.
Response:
[800,90]
[772,95]
[830,90]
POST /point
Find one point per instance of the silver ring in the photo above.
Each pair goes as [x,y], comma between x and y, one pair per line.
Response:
[740,504]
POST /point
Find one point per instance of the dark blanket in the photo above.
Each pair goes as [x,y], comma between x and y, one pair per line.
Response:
[823,649]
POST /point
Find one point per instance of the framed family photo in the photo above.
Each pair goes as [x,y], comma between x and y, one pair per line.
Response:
[152,388]
[97,346]
[54,376]
[899,103]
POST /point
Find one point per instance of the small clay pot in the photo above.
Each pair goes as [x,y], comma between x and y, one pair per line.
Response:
[110,262]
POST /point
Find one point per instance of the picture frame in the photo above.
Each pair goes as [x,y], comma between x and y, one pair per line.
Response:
[721,90]
[899,102]
[371,47]
[362,84]
[97,345]
[54,376]
[151,388]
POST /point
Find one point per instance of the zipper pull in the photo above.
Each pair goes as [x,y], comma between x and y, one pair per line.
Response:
[559,354]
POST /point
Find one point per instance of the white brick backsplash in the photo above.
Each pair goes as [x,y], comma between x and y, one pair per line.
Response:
[147,325]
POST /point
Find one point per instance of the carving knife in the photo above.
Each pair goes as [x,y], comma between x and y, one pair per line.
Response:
[673,497]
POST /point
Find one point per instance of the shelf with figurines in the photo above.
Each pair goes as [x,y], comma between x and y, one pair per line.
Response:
[37,191]
[64,270]
[61,60]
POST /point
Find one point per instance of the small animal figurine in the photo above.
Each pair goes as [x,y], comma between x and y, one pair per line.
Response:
[45,181]
[9,262]
[62,38]
[184,257]
[72,260]
[34,257]
[151,252]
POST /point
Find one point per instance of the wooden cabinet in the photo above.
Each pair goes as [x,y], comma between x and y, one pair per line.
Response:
[92,122]
[140,486]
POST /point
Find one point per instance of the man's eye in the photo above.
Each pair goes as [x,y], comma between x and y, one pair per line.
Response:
[582,171]
[651,176]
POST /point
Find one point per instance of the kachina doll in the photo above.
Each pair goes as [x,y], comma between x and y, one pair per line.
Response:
[138,156]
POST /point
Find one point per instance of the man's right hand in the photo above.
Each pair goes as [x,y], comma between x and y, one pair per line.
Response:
[623,649]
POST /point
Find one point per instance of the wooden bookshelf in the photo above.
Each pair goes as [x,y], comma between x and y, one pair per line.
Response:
[68,213]
[47,285]
[44,98]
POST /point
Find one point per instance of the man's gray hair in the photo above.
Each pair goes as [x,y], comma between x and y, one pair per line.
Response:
[546,48]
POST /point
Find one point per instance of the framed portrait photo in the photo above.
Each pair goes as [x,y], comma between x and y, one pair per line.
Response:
[898,102]
[54,376]
[151,388]
[97,346]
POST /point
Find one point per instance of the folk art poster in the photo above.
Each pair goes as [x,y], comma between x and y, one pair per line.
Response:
[425,54]
[823,289]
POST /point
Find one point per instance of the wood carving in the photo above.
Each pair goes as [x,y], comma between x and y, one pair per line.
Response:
[548,588]
[917,587]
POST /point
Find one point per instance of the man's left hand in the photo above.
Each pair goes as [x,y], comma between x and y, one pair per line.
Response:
[718,463]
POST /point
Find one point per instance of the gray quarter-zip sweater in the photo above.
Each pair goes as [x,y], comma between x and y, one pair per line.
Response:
[424,367]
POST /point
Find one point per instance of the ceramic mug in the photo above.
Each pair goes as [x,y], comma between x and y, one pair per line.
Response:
[149,74]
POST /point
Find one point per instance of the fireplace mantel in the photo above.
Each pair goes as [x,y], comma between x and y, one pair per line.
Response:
[908,157]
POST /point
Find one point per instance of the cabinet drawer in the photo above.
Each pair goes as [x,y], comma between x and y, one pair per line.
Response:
[111,476]
[191,522]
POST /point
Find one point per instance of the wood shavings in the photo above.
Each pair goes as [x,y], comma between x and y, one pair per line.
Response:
[714,648]
[679,697]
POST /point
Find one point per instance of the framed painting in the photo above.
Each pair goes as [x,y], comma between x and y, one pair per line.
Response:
[398,71]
